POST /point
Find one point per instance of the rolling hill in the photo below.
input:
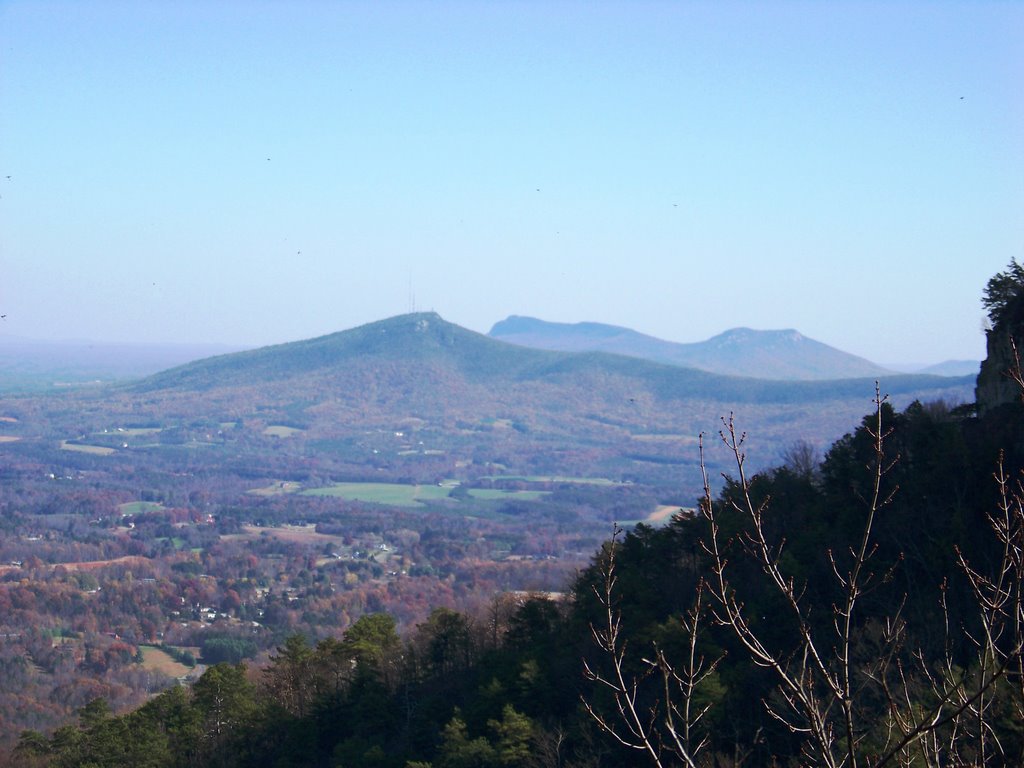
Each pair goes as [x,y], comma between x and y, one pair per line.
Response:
[783,355]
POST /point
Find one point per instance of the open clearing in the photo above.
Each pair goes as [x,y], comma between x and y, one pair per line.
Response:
[663,513]
[176,541]
[90,565]
[493,494]
[279,430]
[138,507]
[95,450]
[392,494]
[276,488]
[554,479]
[158,660]
[297,534]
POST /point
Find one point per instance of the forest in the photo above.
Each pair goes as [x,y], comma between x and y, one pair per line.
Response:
[861,609]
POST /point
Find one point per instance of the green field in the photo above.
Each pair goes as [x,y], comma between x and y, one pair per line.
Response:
[496,494]
[276,488]
[137,507]
[392,494]
[554,479]
[398,495]
[95,450]
[176,541]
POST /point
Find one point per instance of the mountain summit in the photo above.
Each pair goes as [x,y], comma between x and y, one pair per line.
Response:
[421,339]
[782,355]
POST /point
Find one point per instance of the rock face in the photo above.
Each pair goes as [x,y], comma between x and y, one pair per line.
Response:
[995,387]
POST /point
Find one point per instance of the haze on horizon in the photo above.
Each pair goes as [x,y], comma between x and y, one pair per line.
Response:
[252,173]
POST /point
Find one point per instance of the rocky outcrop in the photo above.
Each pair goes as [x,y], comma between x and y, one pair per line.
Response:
[995,387]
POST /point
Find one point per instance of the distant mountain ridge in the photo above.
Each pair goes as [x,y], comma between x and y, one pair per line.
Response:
[416,346]
[578,413]
[785,355]
[953,368]
[425,342]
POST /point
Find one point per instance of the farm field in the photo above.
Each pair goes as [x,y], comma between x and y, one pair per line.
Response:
[553,479]
[276,488]
[497,494]
[138,507]
[295,534]
[90,565]
[95,450]
[158,660]
[393,494]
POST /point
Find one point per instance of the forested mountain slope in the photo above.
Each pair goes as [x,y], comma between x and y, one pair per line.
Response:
[419,366]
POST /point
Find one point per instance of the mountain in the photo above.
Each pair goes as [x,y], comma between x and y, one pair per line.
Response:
[471,400]
[412,341]
[406,347]
[953,368]
[782,355]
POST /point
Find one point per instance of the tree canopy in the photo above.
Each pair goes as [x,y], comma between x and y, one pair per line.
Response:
[1003,297]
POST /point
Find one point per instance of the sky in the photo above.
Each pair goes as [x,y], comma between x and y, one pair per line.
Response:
[257,172]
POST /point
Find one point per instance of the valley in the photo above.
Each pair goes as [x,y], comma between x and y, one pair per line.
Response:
[211,510]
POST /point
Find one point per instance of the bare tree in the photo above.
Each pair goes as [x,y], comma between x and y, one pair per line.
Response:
[802,459]
[851,691]
[666,730]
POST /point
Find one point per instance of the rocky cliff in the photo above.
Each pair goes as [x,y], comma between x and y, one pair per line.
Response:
[995,386]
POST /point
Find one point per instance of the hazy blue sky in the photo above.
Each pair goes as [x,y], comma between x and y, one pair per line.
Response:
[267,171]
